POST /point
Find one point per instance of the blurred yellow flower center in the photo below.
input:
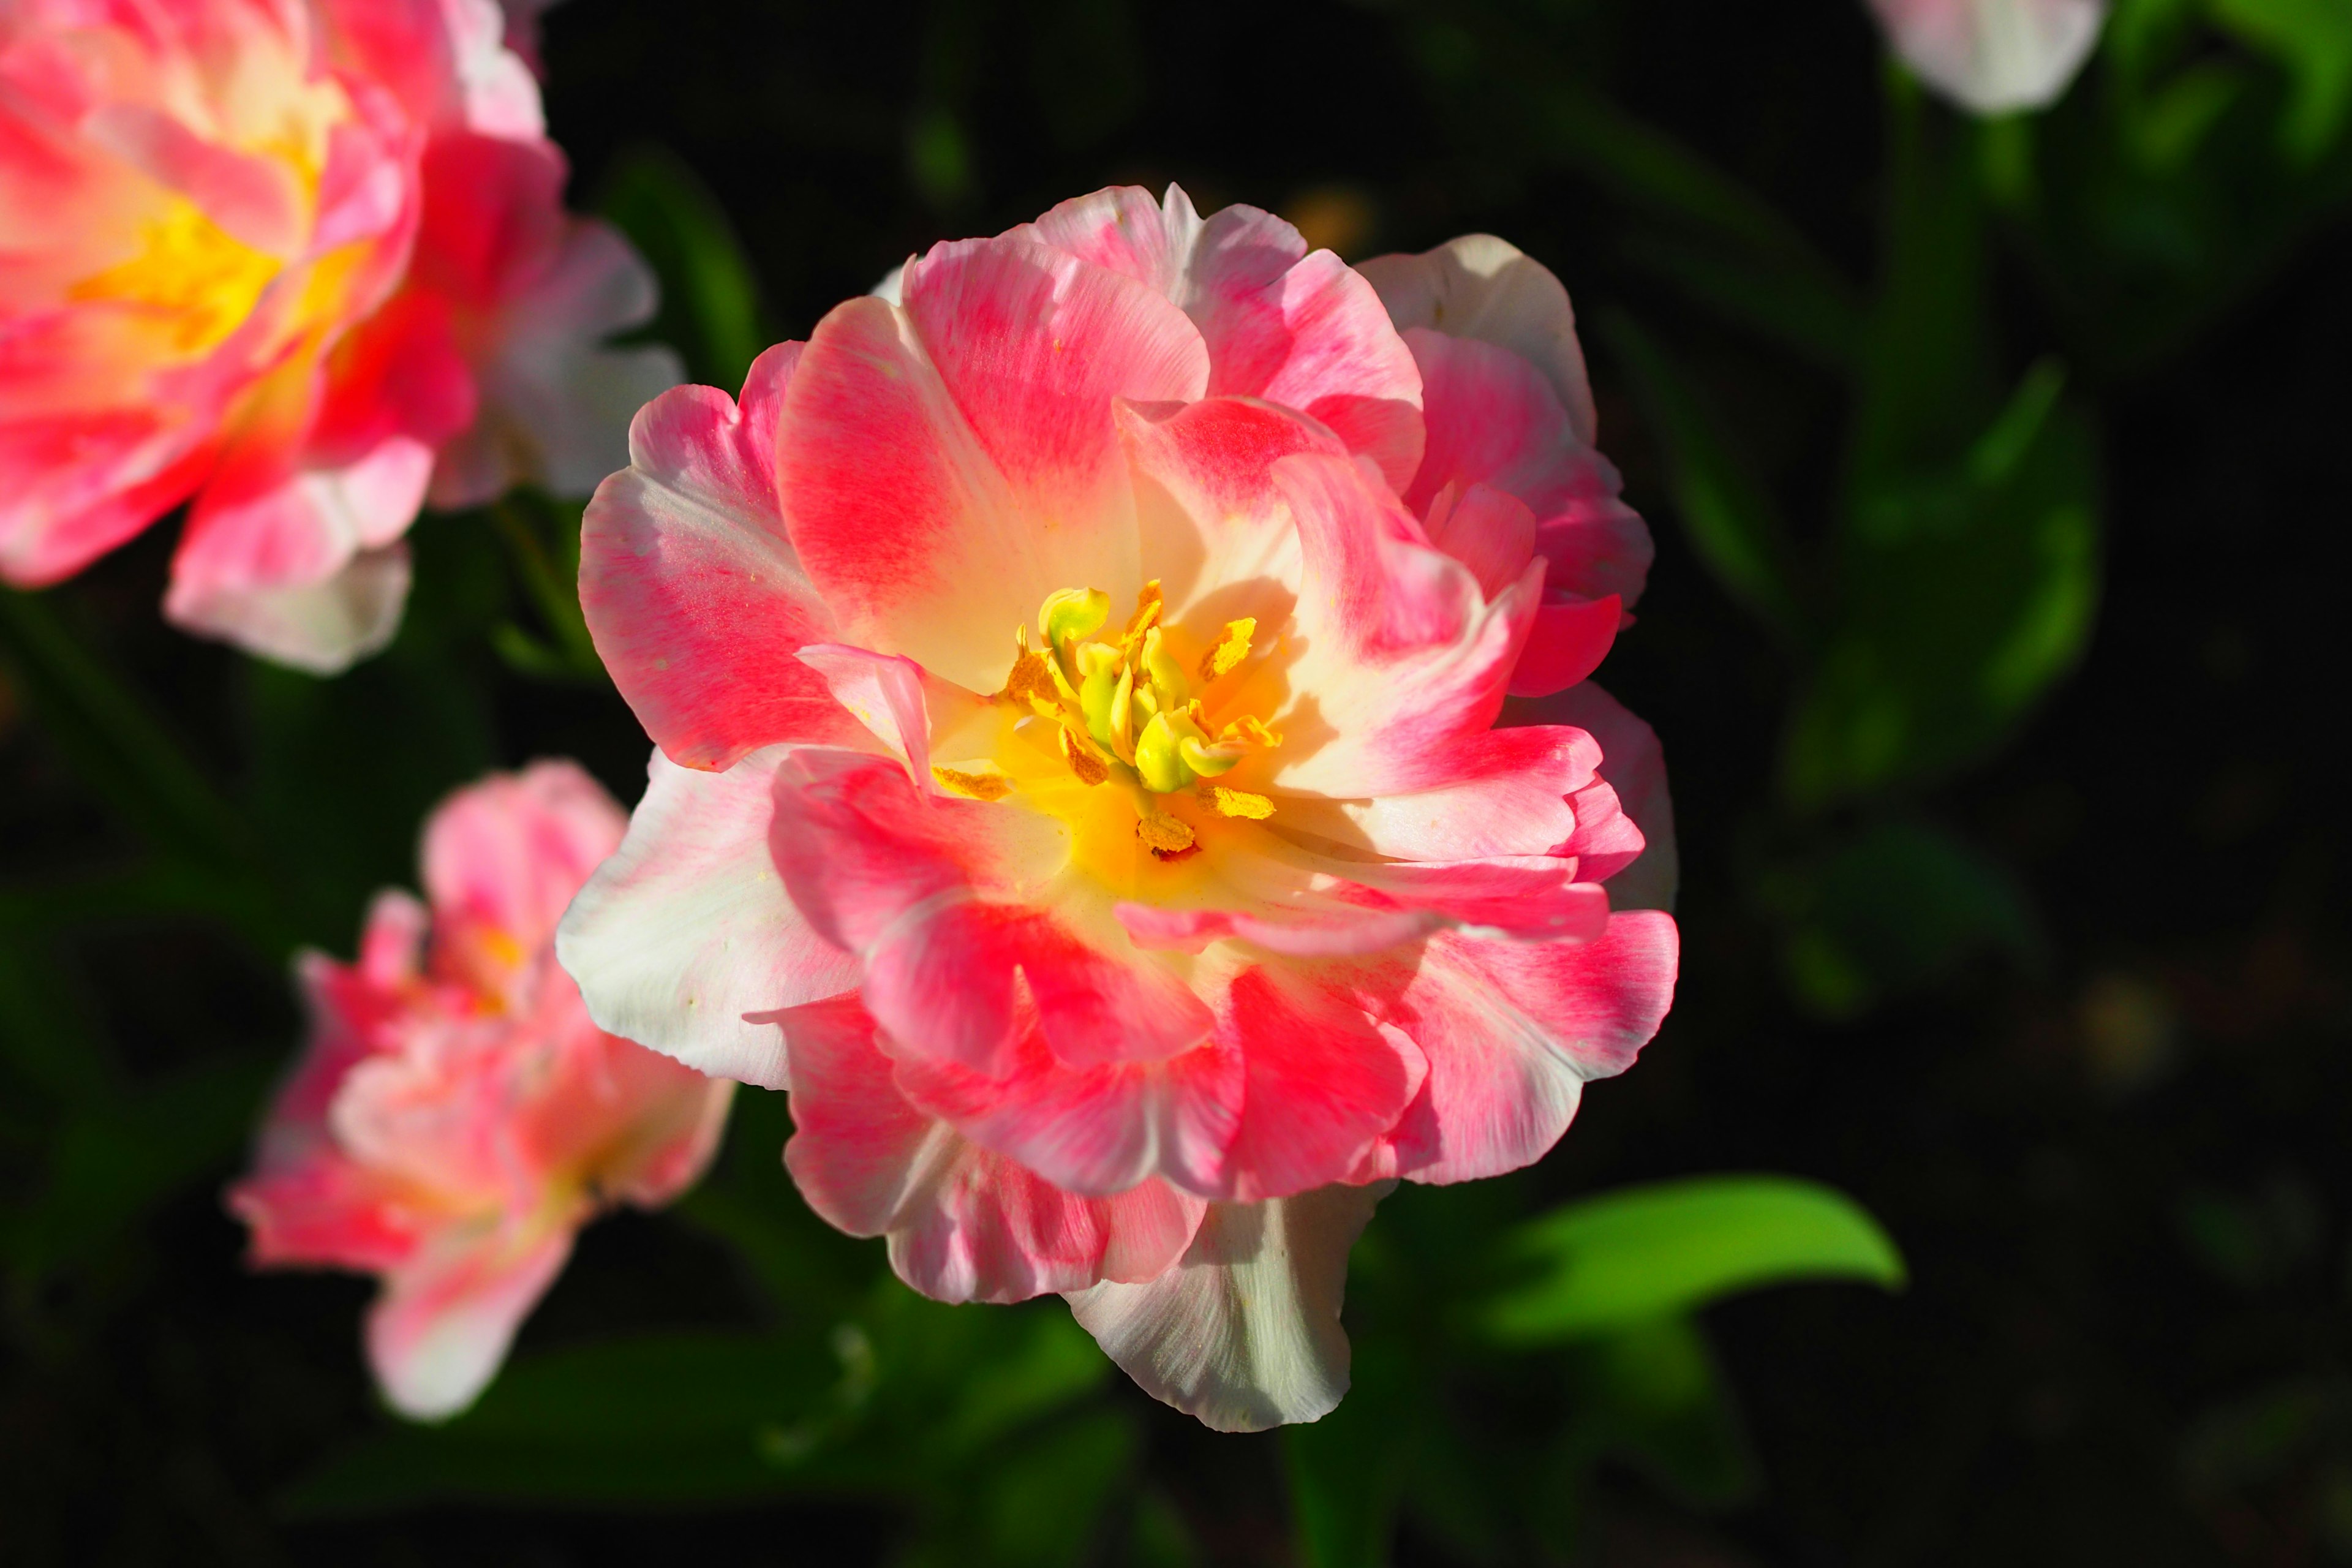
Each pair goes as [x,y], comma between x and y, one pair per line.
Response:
[201,282]
[1129,711]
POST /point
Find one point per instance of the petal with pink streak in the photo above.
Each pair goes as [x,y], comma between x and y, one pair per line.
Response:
[445,1319]
[1293,328]
[1567,643]
[1101,1129]
[1291,901]
[1322,1083]
[1511,797]
[1215,528]
[1244,1332]
[1635,766]
[936,897]
[1404,661]
[1514,1030]
[1486,289]
[257,201]
[505,856]
[685,942]
[695,598]
[1494,420]
[964,1224]
[74,486]
[945,466]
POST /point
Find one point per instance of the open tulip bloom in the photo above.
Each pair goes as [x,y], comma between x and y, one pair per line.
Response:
[457,1117]
[301,265]
[1075,672]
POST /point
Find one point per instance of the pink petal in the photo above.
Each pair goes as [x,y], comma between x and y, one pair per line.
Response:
[438,1334]
[947,466]
[323,626]
[931,892]
[1482,287]
[1509,797]
[964,1224]
[1405,661]
[1295,329]
[1513,1031]
[506,856]
[696,599]
[1210,512]
[256,200]
[1635,767]
[1244,1331]
[1322,1084]
[1492,420]
[1101,1129]
[685,942]
[1567,643]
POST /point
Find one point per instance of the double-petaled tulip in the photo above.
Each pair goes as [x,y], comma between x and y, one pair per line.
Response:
[1074,673]
[303,264]
[457,1116]
[1994,57]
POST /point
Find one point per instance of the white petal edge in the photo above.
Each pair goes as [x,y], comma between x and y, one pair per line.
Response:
[1244,1331]
[688,929]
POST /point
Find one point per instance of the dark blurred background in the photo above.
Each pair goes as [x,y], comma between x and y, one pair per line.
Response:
[1996,639]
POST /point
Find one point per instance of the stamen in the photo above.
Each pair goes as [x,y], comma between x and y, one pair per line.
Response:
[1232,648]
[1164,834]
[1236,803]
[1083,759]
[973,786]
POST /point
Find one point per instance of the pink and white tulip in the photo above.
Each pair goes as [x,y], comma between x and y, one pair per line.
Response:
[303,264]
[457,1116]
[1994,57]
[1075,680]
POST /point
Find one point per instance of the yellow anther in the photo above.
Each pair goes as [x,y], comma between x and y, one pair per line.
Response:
[1032,681]
[1165,835]
[1084,760]
[973,786]
[1157,757]
[1236,803]
[1232,648]
[1147,612]
[1250,729]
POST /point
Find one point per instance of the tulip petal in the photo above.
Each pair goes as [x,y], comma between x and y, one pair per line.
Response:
[964,1224]
[444,1322]
[685,940]
[1244,1332]
[947,465]
[1635,767]
[695,598]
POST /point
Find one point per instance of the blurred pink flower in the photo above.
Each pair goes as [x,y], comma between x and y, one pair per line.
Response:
[1074,672]
[304,265]
[457,1117]
[1994,57]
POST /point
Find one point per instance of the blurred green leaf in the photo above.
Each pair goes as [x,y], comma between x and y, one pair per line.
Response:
[663,1418]
[112,1161]
[1347,1469]
[1899,904]
[1966,592]
[710,295]
[47,1038]
[116,744]
[1607,1263]
[1727,510]
[1040,1502]
[2312,40]
[542,539]
[1652,1395]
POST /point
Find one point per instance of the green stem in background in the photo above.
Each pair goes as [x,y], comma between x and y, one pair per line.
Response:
[551,579]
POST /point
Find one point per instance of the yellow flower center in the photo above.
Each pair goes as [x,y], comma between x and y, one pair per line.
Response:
[190,273]
[1130,719]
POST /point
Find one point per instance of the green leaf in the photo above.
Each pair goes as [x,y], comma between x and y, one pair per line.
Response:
[1652,1395]
[112,1161]
[1725,508]
[1606,1263]
[1346,1470]
[1899,904]
[709,294]
[661,1418]
[2312,40]
[1966,593]
[1041,1502]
